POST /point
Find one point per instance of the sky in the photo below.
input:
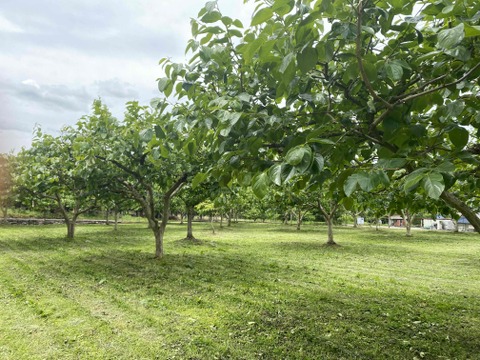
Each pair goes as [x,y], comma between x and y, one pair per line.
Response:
[57,56]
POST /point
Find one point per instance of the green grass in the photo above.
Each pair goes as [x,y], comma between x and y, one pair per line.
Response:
[253,291]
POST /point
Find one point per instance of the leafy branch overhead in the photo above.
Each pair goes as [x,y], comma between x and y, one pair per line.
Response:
[319,89]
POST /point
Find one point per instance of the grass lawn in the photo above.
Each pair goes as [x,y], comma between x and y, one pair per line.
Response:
[252,291]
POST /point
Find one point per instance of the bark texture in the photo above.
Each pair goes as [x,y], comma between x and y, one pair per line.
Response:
[463,208]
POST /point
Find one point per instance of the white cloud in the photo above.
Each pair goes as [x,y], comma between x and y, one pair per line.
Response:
[58,57]
[31,82]
[8,26]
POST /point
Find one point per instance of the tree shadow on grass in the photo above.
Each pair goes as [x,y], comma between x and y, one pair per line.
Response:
[272,308]
[50,238]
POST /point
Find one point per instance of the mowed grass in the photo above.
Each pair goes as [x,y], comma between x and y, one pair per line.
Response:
[252,291]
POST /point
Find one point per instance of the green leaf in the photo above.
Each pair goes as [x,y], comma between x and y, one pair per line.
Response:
[245,97]
[238,23]
[445,167]
[190,148]
[371,71]
[325,51]
[455,108]
[162,84]
[210,6]
[260,185]
[275,174]
[261,16]
[307,59]
[472,31]
[433,184]
[393,163]
[295,155]
[449,38]
[348,203]
[159,132]
[394,70]
[288,172]
[146,135]
[412,180]
[282,7]
[350,184]
[318,164]
[366,181]
[198,179]
[322,141]
[459,137]
[235,32]
[286,62]
[211,17]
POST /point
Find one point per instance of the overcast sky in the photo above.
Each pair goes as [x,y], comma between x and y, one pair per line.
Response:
[57,56]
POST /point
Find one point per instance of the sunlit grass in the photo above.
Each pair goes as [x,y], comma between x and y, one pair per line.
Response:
[252,291]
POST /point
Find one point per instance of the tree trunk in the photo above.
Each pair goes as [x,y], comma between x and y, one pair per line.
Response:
[70,229]
[407,217]
[181,217]
[190,214]
[107,216]
[4,212]
[455,224]
[329,220]
[389,221]
[116,220]
[229,221]
[463,208]
[221,220]
[211,224]
[69,222]
[355,220]
[299,219]
[158,232]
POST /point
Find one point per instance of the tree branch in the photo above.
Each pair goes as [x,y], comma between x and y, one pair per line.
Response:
[358,54]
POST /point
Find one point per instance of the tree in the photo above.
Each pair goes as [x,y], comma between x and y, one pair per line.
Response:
[6,183]
[192,197]
[144,155]
[52,170]
[290,89]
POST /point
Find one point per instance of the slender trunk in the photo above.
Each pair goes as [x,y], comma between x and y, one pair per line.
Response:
[116,220]
[70,223]
[389,221]
[181,217]
[160,229]
[229,221]
[407,218]
[189,223]
[455,224]
[463,208]
[377,220]
[299,219]
[329,220]
[158,232]
[355,220]
[107,219]
[70,229]
[221,220]
[211,224]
